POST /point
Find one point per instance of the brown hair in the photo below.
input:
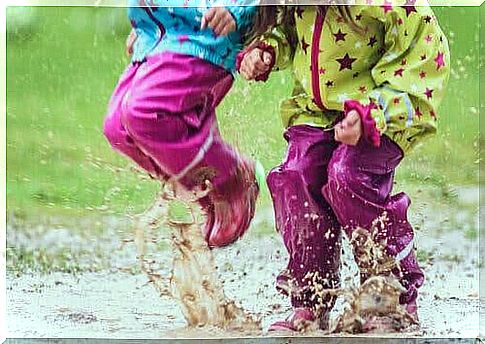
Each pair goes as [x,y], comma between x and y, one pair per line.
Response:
[267,18]
[344,11]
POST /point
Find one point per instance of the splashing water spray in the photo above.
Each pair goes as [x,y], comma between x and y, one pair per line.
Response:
[193,279]
[376,300]
[371,307]
[194,284]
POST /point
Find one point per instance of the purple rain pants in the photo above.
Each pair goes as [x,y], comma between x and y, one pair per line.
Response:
[162,115]
[323,186]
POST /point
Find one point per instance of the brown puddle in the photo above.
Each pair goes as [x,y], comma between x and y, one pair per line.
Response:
[64,305]
[193,280]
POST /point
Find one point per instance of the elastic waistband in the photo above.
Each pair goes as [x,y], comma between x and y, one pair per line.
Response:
[228,63]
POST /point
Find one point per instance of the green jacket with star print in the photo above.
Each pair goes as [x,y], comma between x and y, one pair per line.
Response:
[395,57]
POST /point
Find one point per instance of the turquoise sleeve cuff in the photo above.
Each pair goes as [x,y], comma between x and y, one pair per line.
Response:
[243,15]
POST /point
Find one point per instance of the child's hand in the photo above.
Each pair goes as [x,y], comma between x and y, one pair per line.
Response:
[349,130]
[255,63]
[130,41]
[220,20]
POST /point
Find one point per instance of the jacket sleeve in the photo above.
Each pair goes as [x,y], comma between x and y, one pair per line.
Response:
[275,41]
[243,12]
[410,76]
[278,40]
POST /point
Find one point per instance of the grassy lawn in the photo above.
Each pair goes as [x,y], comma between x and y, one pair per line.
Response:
[62,70]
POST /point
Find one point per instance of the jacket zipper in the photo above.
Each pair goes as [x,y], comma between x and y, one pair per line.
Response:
[317,34]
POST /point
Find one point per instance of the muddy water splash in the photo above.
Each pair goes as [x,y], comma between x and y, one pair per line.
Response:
[369,249]
[373,306]
[193,279]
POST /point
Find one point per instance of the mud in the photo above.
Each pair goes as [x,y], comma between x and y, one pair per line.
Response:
[193,280]
[119,302]
[373,307]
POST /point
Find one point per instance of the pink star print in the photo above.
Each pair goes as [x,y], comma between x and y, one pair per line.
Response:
[183,38]
[304,45]
[429,93]
[418,112]
[428,38]
[409,10]
[387,6]
[372,41]
[346,62]
[399,72]
[440,60]
[408,6]
[322,70]
[339,36]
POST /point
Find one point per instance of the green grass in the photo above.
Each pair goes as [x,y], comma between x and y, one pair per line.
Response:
[61,72]
[21,260]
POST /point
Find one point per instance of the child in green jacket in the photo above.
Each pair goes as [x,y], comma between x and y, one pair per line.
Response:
[368,81]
